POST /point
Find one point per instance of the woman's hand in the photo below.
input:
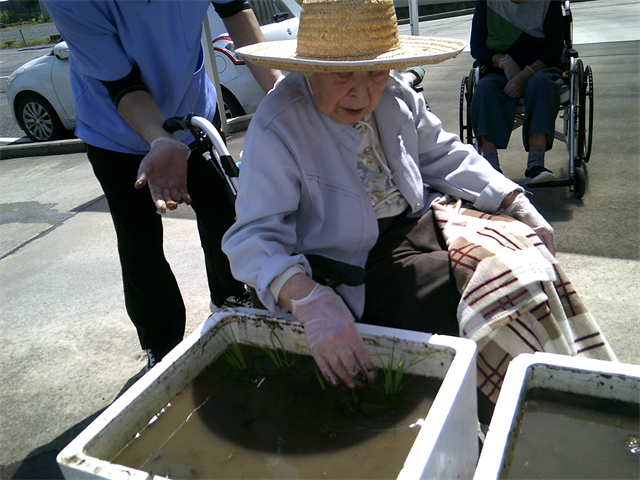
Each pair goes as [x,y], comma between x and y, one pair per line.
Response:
[164,169]
[332,338]
[515,86]
[522,209]
[510,67]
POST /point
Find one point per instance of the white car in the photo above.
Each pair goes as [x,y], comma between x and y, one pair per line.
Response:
[241,94]
[39,92]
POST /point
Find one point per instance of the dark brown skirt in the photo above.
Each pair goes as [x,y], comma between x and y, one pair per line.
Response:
[410,284]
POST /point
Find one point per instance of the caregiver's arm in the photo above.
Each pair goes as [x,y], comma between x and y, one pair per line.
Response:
[244,30]
[164,168]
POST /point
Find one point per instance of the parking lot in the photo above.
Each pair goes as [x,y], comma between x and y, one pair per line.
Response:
[69,348]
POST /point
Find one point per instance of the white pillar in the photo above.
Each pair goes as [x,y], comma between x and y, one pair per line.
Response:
[44,11]
[212,70]
[414,17]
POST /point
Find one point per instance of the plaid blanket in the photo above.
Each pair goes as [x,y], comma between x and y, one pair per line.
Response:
[515,297]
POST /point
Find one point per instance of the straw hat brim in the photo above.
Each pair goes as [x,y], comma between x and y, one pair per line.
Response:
[413,51]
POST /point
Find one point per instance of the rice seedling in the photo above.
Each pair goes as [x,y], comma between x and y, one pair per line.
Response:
[233,353]
[393,376]
[320,378]
[277,353]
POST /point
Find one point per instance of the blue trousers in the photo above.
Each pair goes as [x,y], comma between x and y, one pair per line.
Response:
[493,112]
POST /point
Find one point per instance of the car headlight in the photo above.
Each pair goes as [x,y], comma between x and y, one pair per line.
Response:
[13,76]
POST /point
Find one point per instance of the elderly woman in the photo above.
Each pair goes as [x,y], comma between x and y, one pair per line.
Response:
[343,160]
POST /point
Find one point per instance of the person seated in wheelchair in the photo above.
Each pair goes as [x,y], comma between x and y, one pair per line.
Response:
[342,159]
[518,44]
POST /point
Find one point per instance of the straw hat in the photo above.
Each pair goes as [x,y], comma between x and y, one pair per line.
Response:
[349,35]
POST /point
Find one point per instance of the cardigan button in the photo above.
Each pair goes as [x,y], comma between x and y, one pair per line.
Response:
[418,206]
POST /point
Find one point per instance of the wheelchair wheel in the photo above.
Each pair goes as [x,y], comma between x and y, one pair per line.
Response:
[580,185]
[588,113]
[579,99]
[463,113]
[466,95]
[461,109]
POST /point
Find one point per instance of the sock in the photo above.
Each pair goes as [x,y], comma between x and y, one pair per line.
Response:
[492,158]
[536,155]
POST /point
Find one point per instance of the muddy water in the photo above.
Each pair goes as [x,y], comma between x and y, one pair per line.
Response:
[569,436]
[268,422]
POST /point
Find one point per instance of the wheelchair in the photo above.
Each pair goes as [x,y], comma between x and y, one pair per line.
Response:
[210,144]
[576,112]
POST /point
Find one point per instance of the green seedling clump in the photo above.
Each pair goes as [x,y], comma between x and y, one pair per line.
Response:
[233,353]
[393,376]
[278,354]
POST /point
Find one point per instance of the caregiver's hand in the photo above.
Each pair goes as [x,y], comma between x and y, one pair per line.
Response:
[522,209]
[164,169]
[333,340]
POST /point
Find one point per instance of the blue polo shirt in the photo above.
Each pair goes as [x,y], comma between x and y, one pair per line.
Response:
[107,38]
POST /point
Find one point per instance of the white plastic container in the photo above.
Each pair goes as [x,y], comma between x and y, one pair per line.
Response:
[446,446]
[557,373]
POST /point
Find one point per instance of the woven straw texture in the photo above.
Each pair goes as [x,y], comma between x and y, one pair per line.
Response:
[349,35]
[414,51]
[326,30]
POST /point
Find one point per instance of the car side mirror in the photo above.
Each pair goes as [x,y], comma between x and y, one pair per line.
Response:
[279,17]
[61,51]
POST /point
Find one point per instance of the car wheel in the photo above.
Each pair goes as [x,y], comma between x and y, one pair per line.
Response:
[38,119]
[232,107]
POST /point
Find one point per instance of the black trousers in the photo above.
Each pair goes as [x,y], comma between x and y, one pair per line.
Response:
[152,296]
[410,283]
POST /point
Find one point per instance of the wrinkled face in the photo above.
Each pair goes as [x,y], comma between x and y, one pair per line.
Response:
[348,97]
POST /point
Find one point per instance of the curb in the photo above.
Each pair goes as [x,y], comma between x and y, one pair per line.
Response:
[64,147]
[39,149]
[239,124]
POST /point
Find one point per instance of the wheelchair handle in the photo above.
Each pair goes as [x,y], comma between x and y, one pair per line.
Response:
[174,124]
[203,130]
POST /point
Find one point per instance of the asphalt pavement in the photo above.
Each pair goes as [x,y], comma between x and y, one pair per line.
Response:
[69,349]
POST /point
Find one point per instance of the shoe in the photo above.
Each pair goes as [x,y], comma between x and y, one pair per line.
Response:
[483,429]
[538,174]
[152,358]
[242,300]
[233,301]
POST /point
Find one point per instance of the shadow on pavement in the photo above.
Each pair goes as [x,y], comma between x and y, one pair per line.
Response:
[41,462]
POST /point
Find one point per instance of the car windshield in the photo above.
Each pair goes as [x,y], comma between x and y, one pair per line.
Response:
[270,11]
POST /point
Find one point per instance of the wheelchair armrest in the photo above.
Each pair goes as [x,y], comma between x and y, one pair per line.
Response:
[333,273]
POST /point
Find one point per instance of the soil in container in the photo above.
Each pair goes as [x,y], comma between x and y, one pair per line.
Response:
[262,421]
[570,436]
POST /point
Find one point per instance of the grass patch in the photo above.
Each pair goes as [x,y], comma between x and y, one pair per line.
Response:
[29,42]
[10,22]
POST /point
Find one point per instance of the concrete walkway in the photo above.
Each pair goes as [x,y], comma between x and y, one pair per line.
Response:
[68,347]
